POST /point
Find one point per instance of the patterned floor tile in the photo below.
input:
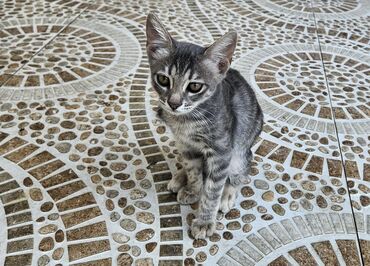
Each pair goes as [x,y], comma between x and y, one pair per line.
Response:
[345,45]
[25,29]
[83,53]
[85,161]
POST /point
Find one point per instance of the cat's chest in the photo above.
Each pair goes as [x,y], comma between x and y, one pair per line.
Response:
[190,135]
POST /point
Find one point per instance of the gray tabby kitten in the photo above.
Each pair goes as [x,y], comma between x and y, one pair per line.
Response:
[214,115]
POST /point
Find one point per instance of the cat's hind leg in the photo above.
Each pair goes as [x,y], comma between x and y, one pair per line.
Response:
[239,166]
[228,197]
[237,173]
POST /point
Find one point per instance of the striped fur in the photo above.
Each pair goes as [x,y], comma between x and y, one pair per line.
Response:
[215,128]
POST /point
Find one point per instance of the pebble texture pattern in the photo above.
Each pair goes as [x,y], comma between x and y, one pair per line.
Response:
[85,162]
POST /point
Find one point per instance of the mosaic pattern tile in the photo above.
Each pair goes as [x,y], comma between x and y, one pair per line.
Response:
[25,29]
[85,161]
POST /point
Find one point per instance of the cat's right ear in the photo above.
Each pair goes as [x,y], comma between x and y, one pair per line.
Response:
[159,42]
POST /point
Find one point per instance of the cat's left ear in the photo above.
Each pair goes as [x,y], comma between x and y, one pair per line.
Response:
[159,42]
[220,53]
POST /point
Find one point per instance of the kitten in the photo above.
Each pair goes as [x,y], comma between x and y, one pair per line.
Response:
[213,114]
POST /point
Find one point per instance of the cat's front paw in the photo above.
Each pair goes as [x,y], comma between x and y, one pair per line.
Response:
[177,182]
[187,196]
[200,228]
[174,185]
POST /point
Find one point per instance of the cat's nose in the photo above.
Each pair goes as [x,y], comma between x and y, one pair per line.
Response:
[174,104]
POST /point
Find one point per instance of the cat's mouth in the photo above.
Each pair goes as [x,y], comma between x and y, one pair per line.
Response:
[176,112]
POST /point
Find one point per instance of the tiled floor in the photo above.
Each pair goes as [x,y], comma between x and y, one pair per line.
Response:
[85,161]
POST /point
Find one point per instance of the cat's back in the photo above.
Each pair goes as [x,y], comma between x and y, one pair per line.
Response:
[239,89]
[236,81]
[243,105]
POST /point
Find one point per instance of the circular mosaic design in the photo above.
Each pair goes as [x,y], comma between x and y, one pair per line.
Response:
[294,82]
[74,54]
[301,85]
[318,6]
[83,52]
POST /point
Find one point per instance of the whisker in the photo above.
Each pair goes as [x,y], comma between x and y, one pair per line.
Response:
[201,118]
[204,110]
[204,117]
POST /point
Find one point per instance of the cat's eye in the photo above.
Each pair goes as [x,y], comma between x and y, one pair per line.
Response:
[163,80]
[195,87]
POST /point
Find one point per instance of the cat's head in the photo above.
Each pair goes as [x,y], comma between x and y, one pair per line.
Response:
[184,74]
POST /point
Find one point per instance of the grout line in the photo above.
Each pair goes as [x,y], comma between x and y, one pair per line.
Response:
[338,140]
[41,48]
